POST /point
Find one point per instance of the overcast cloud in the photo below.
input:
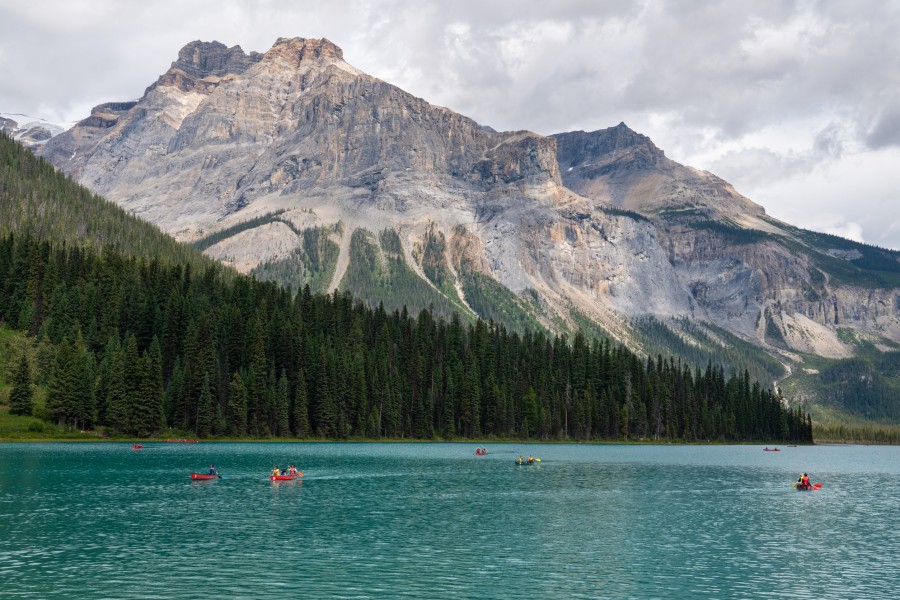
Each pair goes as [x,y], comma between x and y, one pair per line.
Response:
[796,103]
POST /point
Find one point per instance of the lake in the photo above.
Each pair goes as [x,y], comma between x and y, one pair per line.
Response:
[432,520]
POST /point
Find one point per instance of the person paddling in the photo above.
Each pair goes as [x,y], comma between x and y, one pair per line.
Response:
[212,470]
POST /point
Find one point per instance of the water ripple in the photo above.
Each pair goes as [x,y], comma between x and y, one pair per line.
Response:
[432,521]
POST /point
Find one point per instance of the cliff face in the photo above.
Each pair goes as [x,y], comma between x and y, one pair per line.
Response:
[622,168]
[224,137]
[221,130]
[749,273]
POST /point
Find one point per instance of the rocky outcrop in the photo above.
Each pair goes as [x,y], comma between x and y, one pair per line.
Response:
[622,168]
[202,65]
[204,59]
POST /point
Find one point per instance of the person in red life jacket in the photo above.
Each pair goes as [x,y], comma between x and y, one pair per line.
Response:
[803,481]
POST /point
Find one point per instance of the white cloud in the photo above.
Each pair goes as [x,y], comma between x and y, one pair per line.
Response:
[856,197]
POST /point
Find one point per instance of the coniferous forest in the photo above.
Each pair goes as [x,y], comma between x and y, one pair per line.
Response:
[139,345]
[137,340]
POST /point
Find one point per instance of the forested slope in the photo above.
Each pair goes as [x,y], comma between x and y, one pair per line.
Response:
[36,199]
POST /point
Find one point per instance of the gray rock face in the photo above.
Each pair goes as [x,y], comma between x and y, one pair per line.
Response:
[747,272]
[224,136]
[622,168]
[199,60]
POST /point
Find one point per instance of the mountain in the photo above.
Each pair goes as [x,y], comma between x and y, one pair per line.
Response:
[110,334]
[294,165]
[750,273]
[28,131]
[36,201]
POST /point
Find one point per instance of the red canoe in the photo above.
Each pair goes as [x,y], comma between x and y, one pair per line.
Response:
[284,477]
[806,488]
[202,476]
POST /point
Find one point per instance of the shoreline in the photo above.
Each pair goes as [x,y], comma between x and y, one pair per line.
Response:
[474,442]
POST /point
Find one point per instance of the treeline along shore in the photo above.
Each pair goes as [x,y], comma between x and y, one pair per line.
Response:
[136,345]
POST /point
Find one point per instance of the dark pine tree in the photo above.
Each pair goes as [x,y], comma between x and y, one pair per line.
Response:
[205,409]
[236,414]
[21,396]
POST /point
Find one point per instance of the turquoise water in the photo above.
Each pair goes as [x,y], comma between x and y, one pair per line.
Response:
[435,521]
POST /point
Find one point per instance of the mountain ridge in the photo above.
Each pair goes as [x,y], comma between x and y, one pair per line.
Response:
[597,225]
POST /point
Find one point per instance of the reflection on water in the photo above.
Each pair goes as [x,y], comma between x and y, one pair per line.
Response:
[435,521]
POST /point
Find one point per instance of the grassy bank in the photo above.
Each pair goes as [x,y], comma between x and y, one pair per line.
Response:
[15,428]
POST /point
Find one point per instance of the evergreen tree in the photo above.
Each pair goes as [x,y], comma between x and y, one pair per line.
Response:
[174,395]
[148,417]
[115,392]
[205,409]
[236,414]
[282,402]
[300,413]
[21,396]
[85,398]
[134,370]
[64,383]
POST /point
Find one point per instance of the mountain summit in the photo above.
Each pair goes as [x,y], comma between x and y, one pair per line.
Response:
[297,166]
[628,170]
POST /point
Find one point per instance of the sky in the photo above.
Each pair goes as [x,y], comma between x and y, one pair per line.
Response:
[796,103]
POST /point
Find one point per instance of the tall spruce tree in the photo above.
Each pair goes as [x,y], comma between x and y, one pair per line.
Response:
[236,416]
[300,413]
[147,409]
[21,397]
[282,406]
[116,391]
[204,409]
[64,383]
[85,399]
[134,370]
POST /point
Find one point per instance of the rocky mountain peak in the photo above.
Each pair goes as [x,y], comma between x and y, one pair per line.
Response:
[297,50]
[213,59]
[623,168]
[202,65]
[578,147]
